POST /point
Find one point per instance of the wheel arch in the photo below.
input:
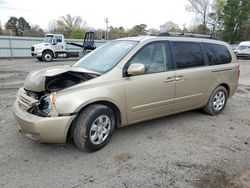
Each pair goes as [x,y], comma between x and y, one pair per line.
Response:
[111,105]
[49,50]
[225,85]
[227,88]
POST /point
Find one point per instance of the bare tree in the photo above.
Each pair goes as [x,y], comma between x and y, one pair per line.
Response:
[201,8]
[66,24]
[170,27]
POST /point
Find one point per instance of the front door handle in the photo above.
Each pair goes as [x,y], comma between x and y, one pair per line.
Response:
[179,78]
[170,79]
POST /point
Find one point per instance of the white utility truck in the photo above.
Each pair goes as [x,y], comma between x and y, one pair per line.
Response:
[54,46]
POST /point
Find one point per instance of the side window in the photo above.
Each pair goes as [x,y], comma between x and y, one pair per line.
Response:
[187,54]
[217,54]
[58,38]
[153,56]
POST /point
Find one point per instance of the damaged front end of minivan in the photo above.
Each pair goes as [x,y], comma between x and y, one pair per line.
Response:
[35,108]
[38,95]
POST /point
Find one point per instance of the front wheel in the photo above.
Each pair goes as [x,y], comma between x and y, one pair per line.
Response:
[217,101]
[47,56]
[93,127]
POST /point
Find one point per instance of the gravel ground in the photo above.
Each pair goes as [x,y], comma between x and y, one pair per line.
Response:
[189,149]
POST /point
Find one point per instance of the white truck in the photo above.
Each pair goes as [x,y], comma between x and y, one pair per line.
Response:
[54,46]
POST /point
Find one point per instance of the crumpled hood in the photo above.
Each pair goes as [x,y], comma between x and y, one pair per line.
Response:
[63,76]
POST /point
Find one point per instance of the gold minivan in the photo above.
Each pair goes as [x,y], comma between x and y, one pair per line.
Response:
[123,82]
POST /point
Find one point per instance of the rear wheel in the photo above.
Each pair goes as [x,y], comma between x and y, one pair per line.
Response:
[217,101]
[93,127]
[47,56]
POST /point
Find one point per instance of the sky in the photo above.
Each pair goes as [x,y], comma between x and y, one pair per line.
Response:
[126,13]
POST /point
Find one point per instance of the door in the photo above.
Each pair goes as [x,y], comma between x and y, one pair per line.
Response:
[150,95]
[58,44]
[193,78]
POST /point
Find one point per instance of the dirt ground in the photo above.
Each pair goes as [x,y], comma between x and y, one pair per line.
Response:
[190,149]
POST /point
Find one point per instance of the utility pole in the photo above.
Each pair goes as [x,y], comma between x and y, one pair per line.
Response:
[106,20]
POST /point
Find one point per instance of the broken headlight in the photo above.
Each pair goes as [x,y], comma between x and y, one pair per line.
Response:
[47,105]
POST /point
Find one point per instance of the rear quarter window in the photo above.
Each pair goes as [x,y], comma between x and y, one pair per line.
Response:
[217,54]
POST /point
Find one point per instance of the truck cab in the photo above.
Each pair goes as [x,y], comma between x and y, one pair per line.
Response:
[53,46]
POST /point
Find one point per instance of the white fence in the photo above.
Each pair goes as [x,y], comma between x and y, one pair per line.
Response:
[17,47]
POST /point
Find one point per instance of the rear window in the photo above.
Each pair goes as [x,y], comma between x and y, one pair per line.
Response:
[187,54]
[217,54]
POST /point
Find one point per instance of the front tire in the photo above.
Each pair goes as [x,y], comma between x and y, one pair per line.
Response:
[217,101]
[93,127]
[47,56]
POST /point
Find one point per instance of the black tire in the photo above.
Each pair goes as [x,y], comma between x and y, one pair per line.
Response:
[86,121]
[39,58]
[216,103]
[47,56]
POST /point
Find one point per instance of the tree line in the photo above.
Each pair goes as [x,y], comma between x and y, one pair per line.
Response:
[227,19]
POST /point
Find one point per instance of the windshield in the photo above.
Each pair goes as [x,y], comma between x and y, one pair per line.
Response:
[48,38]
[106,57]
[241,47]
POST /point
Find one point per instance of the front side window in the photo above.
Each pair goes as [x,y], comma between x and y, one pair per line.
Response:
[217,54]
[58,38]
[153,56]
[187,54]
[107,56]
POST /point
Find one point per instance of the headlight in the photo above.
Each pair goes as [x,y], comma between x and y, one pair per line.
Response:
[38,49]
[47,105]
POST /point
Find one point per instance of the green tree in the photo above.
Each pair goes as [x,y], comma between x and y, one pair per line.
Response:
[117,32]
[11,25]
[137,30]
[19,26]
[234,15]
[77,34]
[245,35]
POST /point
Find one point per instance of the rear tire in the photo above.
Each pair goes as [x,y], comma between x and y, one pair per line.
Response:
[217,101]
[93,127]
[47,56]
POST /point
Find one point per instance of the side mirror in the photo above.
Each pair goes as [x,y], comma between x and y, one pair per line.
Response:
[54,42]
[136,69]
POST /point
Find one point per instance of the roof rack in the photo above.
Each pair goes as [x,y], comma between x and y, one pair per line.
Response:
[176,34]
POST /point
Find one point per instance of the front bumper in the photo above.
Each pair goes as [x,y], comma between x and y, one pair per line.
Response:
[36,54]
[242,55]
[42,129]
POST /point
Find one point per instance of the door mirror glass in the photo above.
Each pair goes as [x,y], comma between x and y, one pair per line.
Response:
[54,42]
[136,69]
